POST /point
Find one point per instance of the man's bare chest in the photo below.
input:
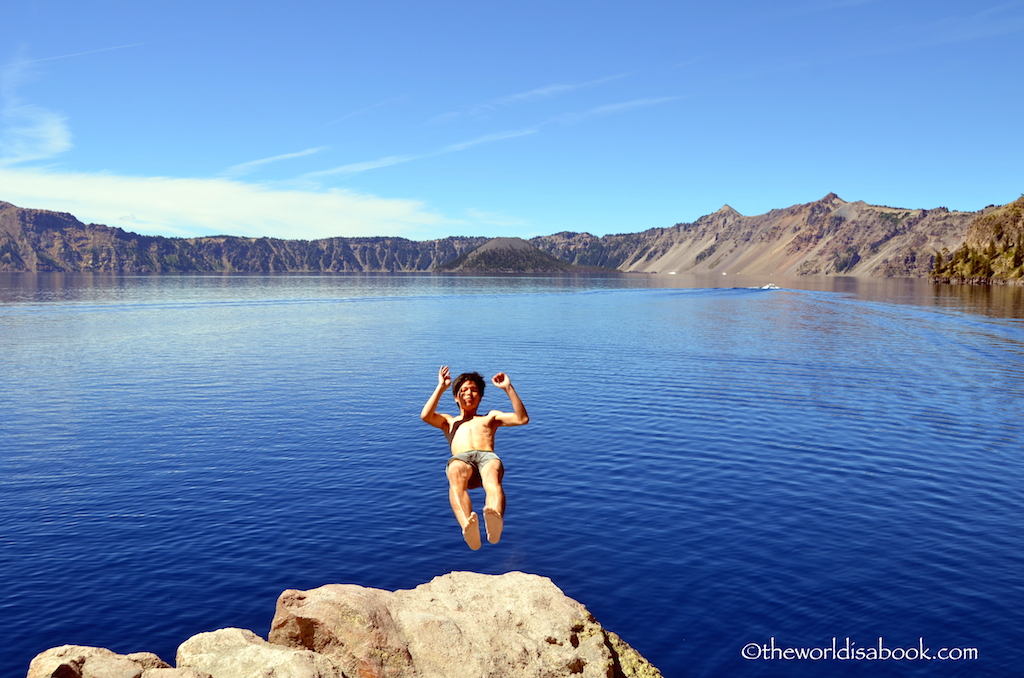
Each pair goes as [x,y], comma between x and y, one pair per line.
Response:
[476,431]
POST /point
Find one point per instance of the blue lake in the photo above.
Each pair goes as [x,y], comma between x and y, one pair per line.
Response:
[707,467]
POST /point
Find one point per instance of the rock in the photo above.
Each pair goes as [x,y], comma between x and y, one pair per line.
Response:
[65,661]
[238,653]
[513,625]
[110,667]
[148,660]
[460,624]
[349,623]
[79,661]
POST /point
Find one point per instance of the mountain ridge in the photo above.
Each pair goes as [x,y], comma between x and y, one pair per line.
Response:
[826,237]
[829,236]
[41,240]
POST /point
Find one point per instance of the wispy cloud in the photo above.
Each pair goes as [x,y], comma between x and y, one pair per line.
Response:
[1003,19]
[612,109]
[565,119]
[545,92]
[486,139]
[76,54]
[690,62]
[356,167]
[27,132]
[1006,18]
[253,165]
[365,109]
[195,207]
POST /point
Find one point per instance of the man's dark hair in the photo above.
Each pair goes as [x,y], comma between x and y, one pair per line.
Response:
[474,377]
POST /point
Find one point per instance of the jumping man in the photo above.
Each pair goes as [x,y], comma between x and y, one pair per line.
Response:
[471,436]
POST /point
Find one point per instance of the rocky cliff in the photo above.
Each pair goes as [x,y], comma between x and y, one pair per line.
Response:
[461,624]
[993,250]
[39,240]
[826,237]
[830,236]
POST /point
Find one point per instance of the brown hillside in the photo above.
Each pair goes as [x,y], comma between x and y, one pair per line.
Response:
[829,236]
[39,240]
[992,251]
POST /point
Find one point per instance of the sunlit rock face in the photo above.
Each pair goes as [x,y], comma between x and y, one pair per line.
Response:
[460,624]
[826,237]
[40,240]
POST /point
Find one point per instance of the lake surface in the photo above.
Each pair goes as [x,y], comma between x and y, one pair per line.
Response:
[707,467]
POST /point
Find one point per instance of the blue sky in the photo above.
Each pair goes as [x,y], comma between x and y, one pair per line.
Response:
[422,120]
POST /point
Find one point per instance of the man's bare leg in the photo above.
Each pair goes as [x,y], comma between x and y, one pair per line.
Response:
[459,475]
[494,508]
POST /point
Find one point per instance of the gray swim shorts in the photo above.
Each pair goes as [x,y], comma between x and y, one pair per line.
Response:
[477,459]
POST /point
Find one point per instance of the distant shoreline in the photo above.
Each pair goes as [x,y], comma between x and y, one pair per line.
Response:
[829,237]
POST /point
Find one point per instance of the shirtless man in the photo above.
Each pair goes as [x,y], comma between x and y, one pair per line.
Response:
[473,462]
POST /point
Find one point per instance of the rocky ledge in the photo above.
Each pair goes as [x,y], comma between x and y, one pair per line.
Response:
[461,624]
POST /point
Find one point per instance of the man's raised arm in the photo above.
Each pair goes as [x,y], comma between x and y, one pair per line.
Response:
[429,413]
[518,415]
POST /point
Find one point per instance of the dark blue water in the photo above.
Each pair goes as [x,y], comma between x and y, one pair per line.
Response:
[707,469]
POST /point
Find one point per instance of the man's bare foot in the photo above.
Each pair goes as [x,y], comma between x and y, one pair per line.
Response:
[494,523]
[471,532]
